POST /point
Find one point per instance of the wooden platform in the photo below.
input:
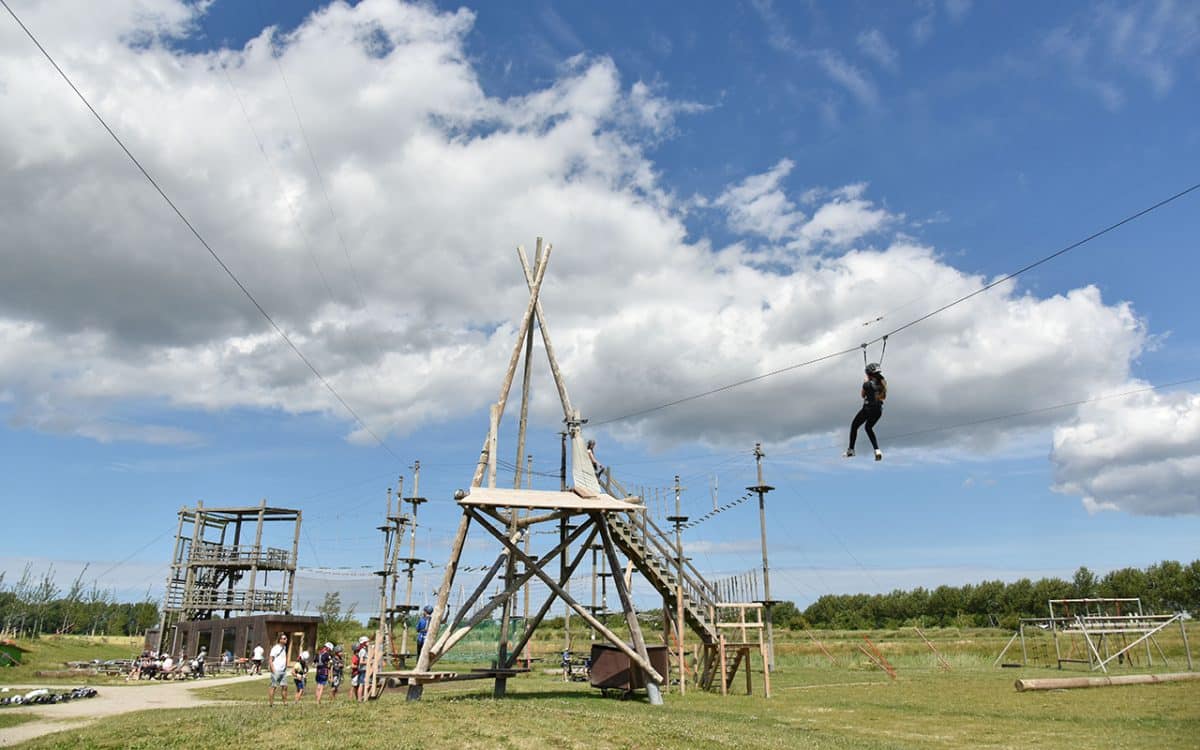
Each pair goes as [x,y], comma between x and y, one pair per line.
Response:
[544,499]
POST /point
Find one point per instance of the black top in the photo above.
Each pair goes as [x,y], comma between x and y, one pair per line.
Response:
[870,393]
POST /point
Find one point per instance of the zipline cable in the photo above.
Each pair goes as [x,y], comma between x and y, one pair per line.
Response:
[228,271]
[1011,415]
[911,323]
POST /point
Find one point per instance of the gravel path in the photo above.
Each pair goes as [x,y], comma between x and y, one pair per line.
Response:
[110,701]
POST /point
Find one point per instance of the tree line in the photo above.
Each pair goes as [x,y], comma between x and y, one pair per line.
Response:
[35,605]
[1164,587]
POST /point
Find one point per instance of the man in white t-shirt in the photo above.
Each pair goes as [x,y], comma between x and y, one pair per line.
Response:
[257,660]
[279,662]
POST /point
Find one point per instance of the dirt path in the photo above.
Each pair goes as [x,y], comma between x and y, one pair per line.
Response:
[109,701]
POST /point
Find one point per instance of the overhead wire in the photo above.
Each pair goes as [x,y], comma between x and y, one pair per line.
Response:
[262,149]
[199,237]
[1011,415]
[316,168]
[883,337]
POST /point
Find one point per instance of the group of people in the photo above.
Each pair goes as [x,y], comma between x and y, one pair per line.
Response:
[328,666]
[164,666]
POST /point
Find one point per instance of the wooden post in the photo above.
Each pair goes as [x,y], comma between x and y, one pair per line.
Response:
[1065,683]
[532,282]
[291,570]
[942,663]
[526,376]
[535,287]
[653,679]
[541,613]
[762,489]
[501,686]
[638,658]
[493,436]
[721,661]
[447,641]
[415,689]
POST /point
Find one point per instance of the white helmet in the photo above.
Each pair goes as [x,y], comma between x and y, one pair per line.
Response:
[304,656]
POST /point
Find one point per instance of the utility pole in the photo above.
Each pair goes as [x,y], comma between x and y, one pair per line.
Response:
[411,561]
[767,602]
[679,520]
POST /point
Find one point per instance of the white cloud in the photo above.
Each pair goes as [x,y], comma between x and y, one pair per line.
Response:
[874,45]
[759,204]
[849,77]
[841,72]
[1137,454]
[1112,50]
[108,307]
[657,113]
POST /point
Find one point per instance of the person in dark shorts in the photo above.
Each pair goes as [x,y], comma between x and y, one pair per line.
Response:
[337,671]
[324,665]
[300,674]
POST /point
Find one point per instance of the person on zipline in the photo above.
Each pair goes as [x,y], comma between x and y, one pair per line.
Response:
[874,392]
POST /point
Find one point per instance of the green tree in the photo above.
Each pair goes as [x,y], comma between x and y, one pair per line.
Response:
[1085,583]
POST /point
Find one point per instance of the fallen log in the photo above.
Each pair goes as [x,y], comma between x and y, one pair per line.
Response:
[1066,683]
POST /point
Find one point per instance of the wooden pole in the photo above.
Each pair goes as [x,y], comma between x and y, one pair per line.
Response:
[679,587]
[762,490]
[447,641]
[415,689]
[533,281]
[653,679]
[535,287]
[942,663]
[526,376]
[638,658]
[1066,683]
[493,436]
[291,570]
[531,625]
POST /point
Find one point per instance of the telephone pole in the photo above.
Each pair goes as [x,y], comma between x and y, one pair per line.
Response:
[768,603]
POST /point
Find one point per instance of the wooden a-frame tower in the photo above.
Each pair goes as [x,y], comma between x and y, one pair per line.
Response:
[585,515]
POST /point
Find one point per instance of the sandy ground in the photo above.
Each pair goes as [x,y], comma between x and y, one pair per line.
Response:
[110,701]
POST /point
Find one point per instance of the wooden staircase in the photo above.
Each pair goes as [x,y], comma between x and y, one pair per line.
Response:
[652,552]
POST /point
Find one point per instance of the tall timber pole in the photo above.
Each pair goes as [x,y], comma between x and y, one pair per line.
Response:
[679,520]
[768,603]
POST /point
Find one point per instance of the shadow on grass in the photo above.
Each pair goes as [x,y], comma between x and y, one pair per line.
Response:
[552,694]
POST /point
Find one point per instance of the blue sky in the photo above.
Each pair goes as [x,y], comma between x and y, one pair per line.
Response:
[730,190]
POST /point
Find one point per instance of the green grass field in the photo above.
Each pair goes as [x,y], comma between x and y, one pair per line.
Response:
[814,705]
[52,652]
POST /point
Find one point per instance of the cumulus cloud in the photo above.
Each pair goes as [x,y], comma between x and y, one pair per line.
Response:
[1136,454]
[760,205]
[113,318]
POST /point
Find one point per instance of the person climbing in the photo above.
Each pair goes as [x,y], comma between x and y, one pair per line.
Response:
[423,627]
[597,467]
[874,392]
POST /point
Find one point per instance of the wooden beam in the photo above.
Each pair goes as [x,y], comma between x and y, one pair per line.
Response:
[447,641]
[639,659]
[550,599]
[531,280]
[498,497]
[635,629]
[1064,683]
[439,609]
[535,288]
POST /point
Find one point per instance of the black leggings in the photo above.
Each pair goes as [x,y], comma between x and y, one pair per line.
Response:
[866,417]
